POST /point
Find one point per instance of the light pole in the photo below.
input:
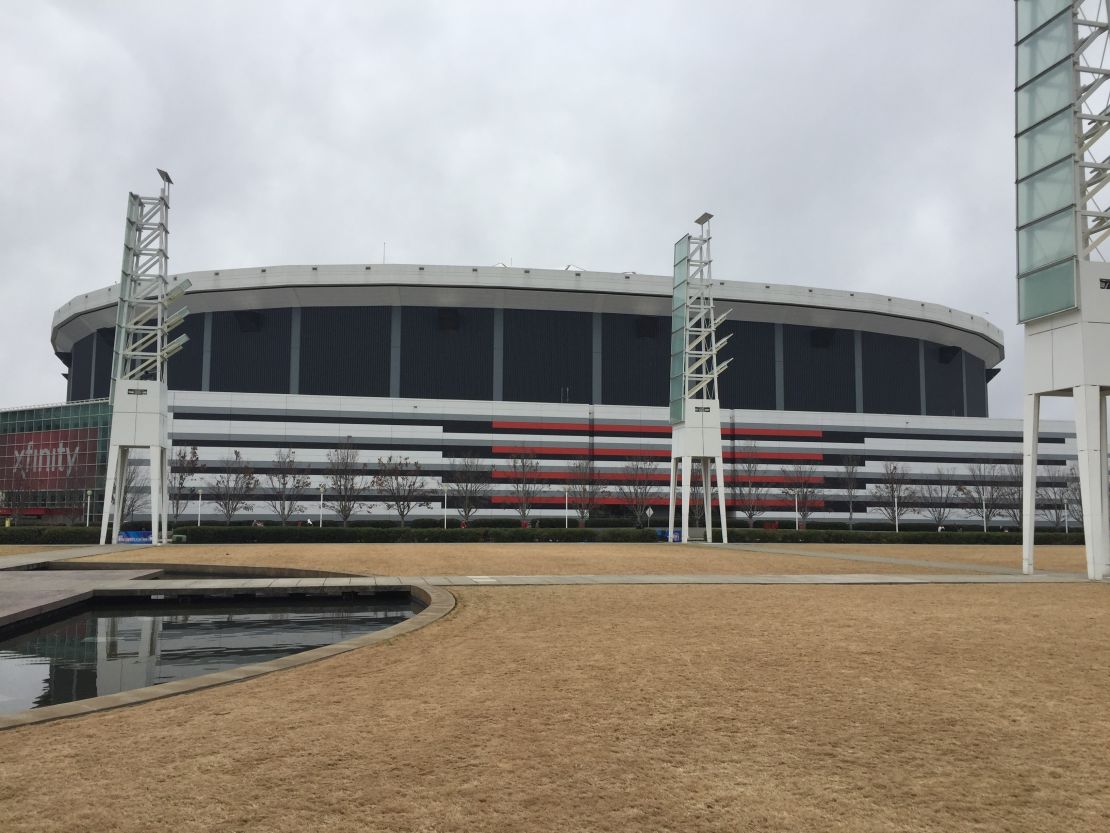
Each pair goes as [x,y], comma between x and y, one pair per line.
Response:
[566,508]
[321,504]
[797,514]
[445,507]
[200,501]
[88,507]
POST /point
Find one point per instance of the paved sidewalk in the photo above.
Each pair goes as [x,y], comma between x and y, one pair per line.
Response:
[771,549]
[29,559]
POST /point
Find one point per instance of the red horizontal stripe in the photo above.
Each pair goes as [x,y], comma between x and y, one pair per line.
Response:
[571,451]
[648,428]
[560,500]
[657,477]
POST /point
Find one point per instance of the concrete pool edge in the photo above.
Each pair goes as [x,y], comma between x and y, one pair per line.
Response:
[438,602]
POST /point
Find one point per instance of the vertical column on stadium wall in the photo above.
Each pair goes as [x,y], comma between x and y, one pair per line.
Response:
[695,408]
[140,417]
[1062,110]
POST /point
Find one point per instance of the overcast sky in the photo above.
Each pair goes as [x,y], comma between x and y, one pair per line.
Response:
[862,144]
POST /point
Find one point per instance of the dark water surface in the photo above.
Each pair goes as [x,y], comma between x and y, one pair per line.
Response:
[105,650]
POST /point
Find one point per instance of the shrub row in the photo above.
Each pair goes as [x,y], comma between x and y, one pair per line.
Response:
[375,535]
[837,536]
[50,535]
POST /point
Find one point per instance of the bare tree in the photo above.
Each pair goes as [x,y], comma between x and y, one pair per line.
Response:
[1052,497]
[184,466]
[892,494]
[1074,496]
[286,482]
[404,487]
[750,489]
[638,488]
[347,481]
[800,485]
[585,489]
[938,500]
[136,492]
[526,484]
[851,486]
[984,494]
[233,486]
[470,487]
[1010,489]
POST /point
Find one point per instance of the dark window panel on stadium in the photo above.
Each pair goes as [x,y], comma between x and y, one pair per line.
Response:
[446,353]
[635,352]
[819,369]
[102,371]
[944,391]
[80,369]
[749,382]
[186,368]
[976,375]
[359,336]
[891,374]
[250,351]
[548,356]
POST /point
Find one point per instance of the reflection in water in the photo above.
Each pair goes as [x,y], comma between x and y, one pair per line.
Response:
[106,650]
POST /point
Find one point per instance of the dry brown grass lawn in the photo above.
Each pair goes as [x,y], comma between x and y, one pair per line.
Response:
[20,549]
[676,708]
[1049,558]
[502,559]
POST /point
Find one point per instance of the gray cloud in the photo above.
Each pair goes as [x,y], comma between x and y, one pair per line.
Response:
[862,145]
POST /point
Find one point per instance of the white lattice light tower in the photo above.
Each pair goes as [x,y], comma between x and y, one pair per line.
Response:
[695,407]
[140,417]
[1063,164]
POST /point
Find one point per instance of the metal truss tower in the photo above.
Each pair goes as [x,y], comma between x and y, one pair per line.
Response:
[1063,281]
[695,407]
[140,417]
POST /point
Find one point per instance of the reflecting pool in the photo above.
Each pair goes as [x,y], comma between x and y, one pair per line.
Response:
[105,650]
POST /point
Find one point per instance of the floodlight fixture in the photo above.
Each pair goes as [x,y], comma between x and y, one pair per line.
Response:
[176,318]
[175,346]
[704,218]
[178,290]
[165,176]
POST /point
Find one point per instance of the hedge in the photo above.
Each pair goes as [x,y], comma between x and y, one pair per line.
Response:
[375,535]
[79,535]
[838,536]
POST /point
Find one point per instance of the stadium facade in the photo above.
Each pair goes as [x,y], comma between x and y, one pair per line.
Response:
[445,363]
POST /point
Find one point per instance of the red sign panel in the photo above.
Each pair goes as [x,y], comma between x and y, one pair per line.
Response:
[44,461]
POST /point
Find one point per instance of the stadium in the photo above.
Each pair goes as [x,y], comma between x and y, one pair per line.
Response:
[443,364]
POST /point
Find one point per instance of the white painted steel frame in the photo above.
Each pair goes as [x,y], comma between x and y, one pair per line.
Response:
[142,349]
[1090,108]
[701,371]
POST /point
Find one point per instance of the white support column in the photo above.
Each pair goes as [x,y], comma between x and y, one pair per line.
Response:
[109,489]
[1090,437]
[670,509]
[720,465]
[1032,426]
[123,461]
[156,531]
[1104,481]
[686,500]
[707,495]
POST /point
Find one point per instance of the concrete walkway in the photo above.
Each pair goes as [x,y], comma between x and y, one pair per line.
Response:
[771,549]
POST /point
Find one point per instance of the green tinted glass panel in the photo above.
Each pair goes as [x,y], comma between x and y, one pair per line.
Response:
[1045,144]
[1032,13]
[1048,291]
[1049,240]
[681,251]
[676,411]
[1046,193]
[678,297]
[1043,97]
[1049,46]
